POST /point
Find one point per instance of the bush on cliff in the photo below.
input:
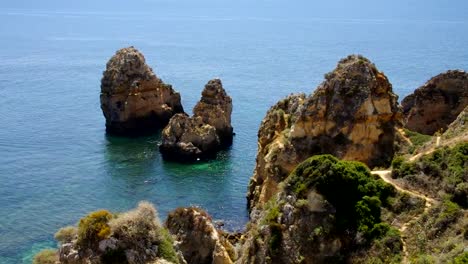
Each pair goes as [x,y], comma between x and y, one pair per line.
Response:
[347,185]
[136,236]
[46,256]
[140,229]
[66,234]
[93,228]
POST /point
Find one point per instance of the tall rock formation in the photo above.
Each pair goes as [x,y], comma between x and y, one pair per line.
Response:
[321,213]
[215,109]
[133,99]
[436,104]
[207,131]
[351,115]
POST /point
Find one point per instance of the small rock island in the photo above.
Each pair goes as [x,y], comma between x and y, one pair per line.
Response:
[134,100]
[209,130]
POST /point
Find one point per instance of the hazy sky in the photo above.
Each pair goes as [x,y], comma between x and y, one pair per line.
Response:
[451,10]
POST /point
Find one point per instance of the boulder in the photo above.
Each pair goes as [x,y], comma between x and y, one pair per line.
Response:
[436,104]
[188,138]
[209,130]
[133,99]
[197,238]
[352,115]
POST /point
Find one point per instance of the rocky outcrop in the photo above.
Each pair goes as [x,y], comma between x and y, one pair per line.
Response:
[458,128]
[207,131]
[215,108]
[134,237]
[197,238]
[316,216]
[352,115]
[436,104]
[133,99]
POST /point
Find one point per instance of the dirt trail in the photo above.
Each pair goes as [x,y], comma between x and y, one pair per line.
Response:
[386,175]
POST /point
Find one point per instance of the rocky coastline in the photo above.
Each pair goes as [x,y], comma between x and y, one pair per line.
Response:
[312,196]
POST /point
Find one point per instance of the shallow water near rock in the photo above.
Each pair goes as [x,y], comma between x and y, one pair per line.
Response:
[57,163]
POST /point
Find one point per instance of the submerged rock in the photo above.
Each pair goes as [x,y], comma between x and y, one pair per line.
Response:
[436,104]
[206,132]
[352,115]
[197,238]
[133,99]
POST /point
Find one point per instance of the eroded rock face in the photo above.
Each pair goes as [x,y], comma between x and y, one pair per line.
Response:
[188,138]
[352,115]
[215,108]
[133,99]
[315,216]
[197,238]
[436,104]
[207,131]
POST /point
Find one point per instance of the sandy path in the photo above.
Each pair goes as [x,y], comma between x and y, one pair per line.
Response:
[386,175]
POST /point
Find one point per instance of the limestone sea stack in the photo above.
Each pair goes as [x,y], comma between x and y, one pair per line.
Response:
[436,104]
[352,115]
[133,99]
[209,130]
[215,109]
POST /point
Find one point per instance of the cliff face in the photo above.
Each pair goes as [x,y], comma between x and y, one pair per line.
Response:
[324,210]
[207,131]
[437,103]
[133,99]
[352,115]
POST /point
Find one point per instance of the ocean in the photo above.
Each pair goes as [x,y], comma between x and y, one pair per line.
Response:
[56,161]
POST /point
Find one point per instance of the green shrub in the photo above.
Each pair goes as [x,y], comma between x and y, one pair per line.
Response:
[416,138]
[273,213]
[347,185]
[46,256]
[446,169]
[94,228]
[66,234]
[461,259]
[368,212]
[166,249]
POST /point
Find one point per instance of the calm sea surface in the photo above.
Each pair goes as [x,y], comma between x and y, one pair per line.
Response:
[57,163]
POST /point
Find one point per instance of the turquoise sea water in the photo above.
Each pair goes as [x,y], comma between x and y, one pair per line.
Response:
[56,162]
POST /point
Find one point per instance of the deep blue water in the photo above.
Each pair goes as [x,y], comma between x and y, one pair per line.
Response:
[56,162]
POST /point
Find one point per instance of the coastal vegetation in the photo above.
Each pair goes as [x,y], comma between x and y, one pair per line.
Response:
[136,236]
[441,173]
